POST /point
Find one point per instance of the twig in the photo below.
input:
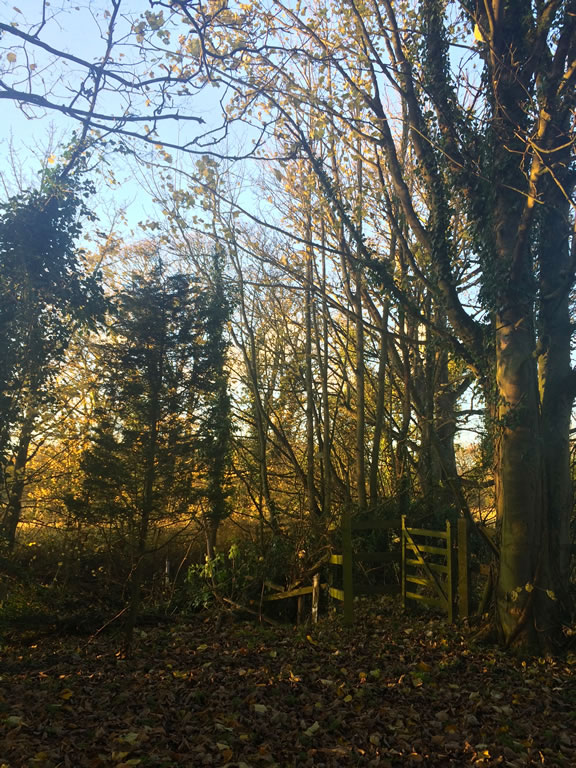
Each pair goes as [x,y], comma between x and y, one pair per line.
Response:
[250,611]
[107,624]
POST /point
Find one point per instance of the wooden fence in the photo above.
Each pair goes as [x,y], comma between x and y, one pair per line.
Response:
[346,561]
[427,567]
[279,593]
[435,574]
[433,571]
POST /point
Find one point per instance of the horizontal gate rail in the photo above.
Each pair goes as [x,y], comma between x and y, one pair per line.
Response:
[433,577]
[345,560]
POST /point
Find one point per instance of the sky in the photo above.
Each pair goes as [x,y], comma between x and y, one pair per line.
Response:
[30,137]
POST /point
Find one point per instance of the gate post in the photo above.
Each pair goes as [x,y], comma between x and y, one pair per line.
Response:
[463,570]
[347,578]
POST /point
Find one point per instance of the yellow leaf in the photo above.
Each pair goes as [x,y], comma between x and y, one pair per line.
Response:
[376,674]
[423,667]
[11,57]
[130,738]
[66,694]
[313,728]
[14,720]
[50,160]
[478,34]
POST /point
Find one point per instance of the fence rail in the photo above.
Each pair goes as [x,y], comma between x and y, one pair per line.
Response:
[434,579]
[433,571]
[346,560]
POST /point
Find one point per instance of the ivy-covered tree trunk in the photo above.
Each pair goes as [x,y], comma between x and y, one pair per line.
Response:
[17,484]
[532,424]
[518,475]
[556,379]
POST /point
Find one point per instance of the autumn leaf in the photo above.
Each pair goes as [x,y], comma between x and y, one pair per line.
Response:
[14,721]
[312,729]
[478,34]
[131,738]
[66,694]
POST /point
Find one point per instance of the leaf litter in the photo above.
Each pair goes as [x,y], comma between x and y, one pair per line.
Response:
[394,690]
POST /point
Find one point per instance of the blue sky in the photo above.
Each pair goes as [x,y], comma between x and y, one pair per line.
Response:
[29,136]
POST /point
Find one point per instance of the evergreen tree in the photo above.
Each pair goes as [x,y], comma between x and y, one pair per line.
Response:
[141,461]
[216,431]
[45,294]
[160,442]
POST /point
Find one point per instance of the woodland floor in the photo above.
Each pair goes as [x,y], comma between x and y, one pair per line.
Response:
[393,691]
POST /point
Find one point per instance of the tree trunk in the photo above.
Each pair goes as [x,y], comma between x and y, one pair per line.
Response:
[518,478]
[556,391]
[249,354]
[147,507]
[13,511]
[309,380]
[360,394]
[323,350]
[211,531]
[379,408]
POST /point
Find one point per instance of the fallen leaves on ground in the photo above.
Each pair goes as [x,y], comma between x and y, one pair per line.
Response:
[392,691]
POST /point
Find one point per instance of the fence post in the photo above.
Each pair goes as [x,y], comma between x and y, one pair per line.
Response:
[347,581]
[315,597]
[463,570]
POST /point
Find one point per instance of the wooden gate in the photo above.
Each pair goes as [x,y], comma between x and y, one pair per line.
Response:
[346,561]
[428,568]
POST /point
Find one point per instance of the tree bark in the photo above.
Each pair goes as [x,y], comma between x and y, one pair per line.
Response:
[519,491]
[13,512]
